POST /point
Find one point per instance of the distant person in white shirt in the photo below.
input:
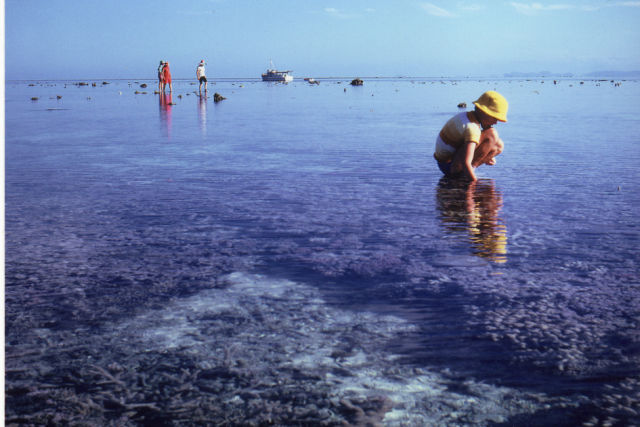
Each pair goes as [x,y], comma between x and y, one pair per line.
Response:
[161,77]
[200,75]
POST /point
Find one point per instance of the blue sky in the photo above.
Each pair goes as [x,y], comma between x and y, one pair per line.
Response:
[88,39]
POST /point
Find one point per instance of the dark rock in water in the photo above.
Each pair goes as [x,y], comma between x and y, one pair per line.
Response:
[462,105]
[143,85]
[217,97]
[59,96]
[35,98]
[93,84]
[105,83]
[357,82]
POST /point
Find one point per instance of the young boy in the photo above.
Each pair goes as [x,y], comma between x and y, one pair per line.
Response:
[468,139]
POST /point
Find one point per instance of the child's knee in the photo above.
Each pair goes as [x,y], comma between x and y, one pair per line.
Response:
[492,140]
[490,134]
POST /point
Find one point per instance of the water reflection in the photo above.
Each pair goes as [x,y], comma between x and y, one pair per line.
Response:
[202,112]
[166,101]
[473,208]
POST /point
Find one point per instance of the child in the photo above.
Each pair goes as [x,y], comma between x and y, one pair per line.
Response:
[468,139]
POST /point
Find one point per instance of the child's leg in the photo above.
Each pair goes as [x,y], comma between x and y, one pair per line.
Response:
[490,146]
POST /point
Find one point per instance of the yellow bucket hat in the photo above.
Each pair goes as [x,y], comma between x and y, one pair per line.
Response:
[494,104]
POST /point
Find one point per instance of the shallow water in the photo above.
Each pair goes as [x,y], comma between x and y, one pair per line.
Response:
[292,254]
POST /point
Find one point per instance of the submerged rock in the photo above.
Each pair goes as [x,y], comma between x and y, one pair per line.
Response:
[357,82]
[217,97]
[462,105]
[143,85]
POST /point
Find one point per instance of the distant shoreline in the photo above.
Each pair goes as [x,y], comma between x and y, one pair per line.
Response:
[604,75]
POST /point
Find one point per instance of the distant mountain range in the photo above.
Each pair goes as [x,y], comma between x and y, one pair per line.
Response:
[615,74]
[593,74]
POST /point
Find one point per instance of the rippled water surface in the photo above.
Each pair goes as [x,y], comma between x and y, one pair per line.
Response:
[291,255]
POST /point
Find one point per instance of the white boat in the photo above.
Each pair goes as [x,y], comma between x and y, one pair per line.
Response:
[273,75]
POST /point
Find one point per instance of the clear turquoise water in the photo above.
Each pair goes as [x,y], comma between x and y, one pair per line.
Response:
[120,205]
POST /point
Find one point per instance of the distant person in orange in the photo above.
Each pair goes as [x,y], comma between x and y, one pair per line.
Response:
[161,77]
[166,74]
[469,140]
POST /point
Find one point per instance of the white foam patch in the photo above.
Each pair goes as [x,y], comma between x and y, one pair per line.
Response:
[279,325]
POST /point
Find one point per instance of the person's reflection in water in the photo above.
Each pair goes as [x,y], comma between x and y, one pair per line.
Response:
[473,207]
[202,112]
[165,111]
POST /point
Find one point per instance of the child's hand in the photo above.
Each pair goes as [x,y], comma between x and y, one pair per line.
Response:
[491,161]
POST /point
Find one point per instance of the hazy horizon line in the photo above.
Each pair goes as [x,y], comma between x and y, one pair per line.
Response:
[510,75]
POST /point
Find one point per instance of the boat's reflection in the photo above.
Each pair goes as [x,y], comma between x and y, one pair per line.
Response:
[473,208]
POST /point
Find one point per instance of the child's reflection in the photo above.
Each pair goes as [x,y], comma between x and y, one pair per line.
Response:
[474,207]
[165,110]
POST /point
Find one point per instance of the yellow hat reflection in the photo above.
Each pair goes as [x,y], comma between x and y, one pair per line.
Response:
[491,244]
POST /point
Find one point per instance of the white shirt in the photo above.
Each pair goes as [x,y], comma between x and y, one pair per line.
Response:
[200,71]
